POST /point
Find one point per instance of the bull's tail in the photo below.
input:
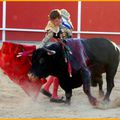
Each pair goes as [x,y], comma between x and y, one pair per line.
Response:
[119,53]
[118,50]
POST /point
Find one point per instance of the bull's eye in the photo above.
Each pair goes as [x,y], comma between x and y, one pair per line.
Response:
[41,61]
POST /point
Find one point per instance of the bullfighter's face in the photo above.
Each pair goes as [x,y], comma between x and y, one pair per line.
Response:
[56,22]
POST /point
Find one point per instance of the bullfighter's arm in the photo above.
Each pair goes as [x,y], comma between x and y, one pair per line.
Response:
[46,39]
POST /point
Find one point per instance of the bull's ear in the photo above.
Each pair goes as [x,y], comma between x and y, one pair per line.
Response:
[51,52]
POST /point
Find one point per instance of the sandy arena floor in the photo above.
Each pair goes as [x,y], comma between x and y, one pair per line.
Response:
[14,103]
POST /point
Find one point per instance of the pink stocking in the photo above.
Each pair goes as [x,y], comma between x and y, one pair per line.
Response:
[48,84]
[55,88]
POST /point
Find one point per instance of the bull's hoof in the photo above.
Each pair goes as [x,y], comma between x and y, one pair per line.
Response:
[93,101]
[103,105]
[57,100]
[101,93]
[46,93]
[68,102]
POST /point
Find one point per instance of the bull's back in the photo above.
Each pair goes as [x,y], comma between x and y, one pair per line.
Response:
[102,50]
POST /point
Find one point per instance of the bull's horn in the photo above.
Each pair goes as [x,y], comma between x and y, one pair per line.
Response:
[50,52]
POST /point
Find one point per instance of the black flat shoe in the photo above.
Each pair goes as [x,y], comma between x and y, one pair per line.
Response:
[46,93]
[59,100]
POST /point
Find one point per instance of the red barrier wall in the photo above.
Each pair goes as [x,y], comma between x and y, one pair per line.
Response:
[34,15]
[96,16]
[101,17]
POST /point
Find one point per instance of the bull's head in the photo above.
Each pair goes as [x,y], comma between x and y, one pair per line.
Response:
[41,63]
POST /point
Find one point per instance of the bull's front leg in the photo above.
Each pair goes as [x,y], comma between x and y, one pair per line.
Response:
[66,85]
[86,85]
[68,97]
[86,88]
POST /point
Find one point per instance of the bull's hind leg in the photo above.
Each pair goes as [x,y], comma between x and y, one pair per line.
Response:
[98,80]
[110,74]
[100,83]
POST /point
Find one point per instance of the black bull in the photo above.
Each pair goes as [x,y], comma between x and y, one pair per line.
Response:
[103,56]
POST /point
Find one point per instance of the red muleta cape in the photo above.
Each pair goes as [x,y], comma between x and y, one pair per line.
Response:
[17,67]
